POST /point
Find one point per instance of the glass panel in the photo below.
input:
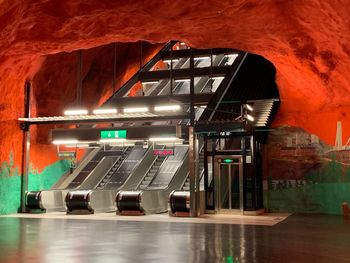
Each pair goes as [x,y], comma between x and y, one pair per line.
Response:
[219,60]
[230,58]
[210,171]
[161,87]
[136,90]
[178,63]
[224,186]
[202,62]
[162,65]
[235,197]
[181,86]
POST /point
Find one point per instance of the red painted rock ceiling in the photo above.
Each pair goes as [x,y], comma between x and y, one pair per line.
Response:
[308,42]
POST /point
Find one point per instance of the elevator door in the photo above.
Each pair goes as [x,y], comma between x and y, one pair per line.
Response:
[229,184]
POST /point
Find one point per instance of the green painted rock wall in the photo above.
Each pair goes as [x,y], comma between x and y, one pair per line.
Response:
[10,182]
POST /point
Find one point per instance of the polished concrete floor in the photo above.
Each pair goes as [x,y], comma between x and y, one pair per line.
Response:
[267,219]
[299,238]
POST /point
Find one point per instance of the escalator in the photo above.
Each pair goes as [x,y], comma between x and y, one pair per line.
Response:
[124,173]
[154,197]
[90,168]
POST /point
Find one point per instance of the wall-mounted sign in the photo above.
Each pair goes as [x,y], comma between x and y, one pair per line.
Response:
[67,154]
[163,152]
[112,134]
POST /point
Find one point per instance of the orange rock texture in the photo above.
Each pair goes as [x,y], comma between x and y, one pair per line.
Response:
[308,42]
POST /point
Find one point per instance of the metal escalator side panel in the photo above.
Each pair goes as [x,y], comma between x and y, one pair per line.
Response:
[150,167]
[99,171]
[126,168]
[85,170]
[140,171]
[53,200]
[169,168]
[90,168]
[102,200]
[78,169]
[103,180]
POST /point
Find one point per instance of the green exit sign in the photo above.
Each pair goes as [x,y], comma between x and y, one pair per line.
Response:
[118,134]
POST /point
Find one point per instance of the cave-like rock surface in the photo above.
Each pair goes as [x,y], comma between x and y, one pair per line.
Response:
[308,42]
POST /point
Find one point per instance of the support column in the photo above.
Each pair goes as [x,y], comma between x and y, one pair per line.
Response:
[25,147]
[194,174]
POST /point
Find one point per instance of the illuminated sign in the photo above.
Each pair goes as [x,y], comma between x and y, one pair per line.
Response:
[227,160]
[113,134]
[163,152]
[66,154]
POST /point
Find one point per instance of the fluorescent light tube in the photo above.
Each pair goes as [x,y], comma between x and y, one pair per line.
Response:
[76,112]
[169,60]
[182,80]
[105,111]
[248,107]
[134,110]
[167,108]
[68,141]
[112,140]
[201,58]
[250,117]
[217,78]
[150,82]
[163,139]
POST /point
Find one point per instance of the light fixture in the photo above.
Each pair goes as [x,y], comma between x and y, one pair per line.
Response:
[150,82]
[68,141]
[105,111]
[182,80]
[75,112]
[163,139]
[112,140]
[248,107]
[217,78]
[169,60]
[167,108]
[134,110]
[201,58]
[249,117]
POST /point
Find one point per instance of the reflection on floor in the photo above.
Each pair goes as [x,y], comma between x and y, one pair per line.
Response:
[299,238]
[268,219]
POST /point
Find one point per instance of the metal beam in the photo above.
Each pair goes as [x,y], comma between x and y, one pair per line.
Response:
[138,132]
[183,73]
[26,147]
[57,120]
[185,53]
[128,85]
[199,99]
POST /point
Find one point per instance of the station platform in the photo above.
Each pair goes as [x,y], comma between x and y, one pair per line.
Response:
[111,238]
[267,219]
